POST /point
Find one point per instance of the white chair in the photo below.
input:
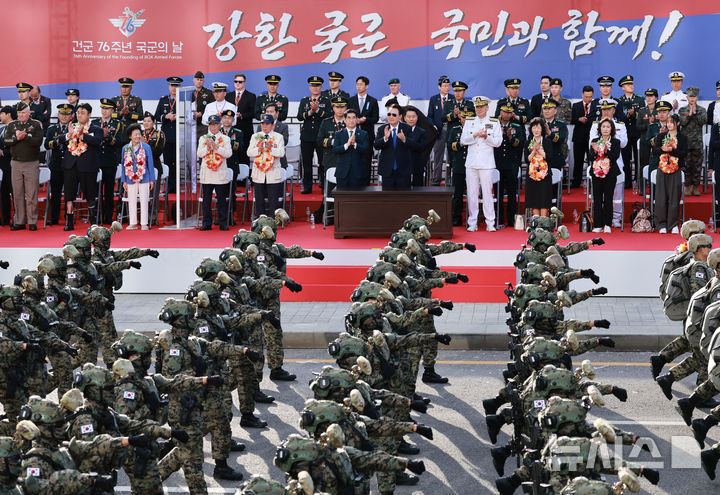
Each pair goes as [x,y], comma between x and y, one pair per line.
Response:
[43,180]
[653,182]
[243,177]
[328,199]
[289,181]
[292,154]
[557,178]
[706,162]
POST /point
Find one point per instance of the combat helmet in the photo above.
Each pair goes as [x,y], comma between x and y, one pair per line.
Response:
[132,343]
[563,416]
[318,412]
[541,222]
[243,238]
[296,449]
[537,310]
[551,380]
[532,273]
[390,254]
[346,345]
[92,376]
[542,351]
[82,245]
[376,273]
[37,285]
[357,315]
[540,239]
[697,240]
[691,227]
[528,256]
[100,236]
[259,485]
[400,239]
[713,259]
[583,486]
[332,381]
[176,308]
[52,265]
[41,411]
[366,290]
[524,293]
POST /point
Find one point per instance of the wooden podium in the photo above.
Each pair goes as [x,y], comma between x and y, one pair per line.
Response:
[374,212]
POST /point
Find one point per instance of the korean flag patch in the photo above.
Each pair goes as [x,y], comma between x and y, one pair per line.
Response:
[539,404]
[260,257]
[128,394]
[72,275]
[85,429]
[700,274]
[25,316]
[32,471]
[50,299]
[201,330]
[174,352]
[225,294]
[530,331]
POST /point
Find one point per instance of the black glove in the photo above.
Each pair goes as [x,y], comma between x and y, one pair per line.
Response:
[87,338]
[606,341]
[418,405]
[252,355]
[417,466]
[33,347]
[180,435]
[71,350]
[602,324]
[652,475]
[318,255]
[109,305]
[599,291]
[425,431]
[270,316]
[463,278]
[103,483]
[587,273]
[435,311]
[139,441]
[598,241]
[620,393]
[447,305]
[135,264]
[443,338]
[595,279]
[215,380]
[470,247]
[4,265]
[451,279]
[153,253]
[293,286]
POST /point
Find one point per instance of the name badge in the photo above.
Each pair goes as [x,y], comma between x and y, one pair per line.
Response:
[25,316]
[201,330]
[32,471]
[174,352]
[85,429]
[261,257]
[72,275]
[539,404]
[49,299]
[127,394]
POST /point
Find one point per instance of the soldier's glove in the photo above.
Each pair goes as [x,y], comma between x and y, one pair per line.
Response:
[443,338]
[293,286]
[418,405]
[180,435]
[154,253]
[86,336]
[601,324]
[587,273]
[598,241]
[135,264]
[606,341]
[103,483]
[463,278]
[268,315]
[318,255]
[447,305]
[109,305]
[470,247]
[32,347]
[599,291]
[435,311]
[140,441]
[252,355]
[620,393]
[431,263]
[425,431]
[451,279]
[215,380]
[416,466]
[4,265]
[71,350]
[652,475]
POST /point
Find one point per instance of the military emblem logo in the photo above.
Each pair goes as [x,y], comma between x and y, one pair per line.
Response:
[128,22]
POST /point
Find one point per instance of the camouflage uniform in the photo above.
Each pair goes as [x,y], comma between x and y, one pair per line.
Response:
[13,391]
[692,126]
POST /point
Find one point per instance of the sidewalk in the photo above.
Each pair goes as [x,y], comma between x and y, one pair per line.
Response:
[636,323]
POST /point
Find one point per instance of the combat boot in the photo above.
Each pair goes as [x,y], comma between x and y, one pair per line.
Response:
[403,478]
[252,421]
[406,448]
[262,398]
[709,460]
[507,485]
[224,472]
[494,423]
[429,376]
[499,456]
[688,190]
[281,375]
[665,382]
[700,428]
[420,397]
[687,406]
[491,405]
[657,363]
[236,446]
[69,221]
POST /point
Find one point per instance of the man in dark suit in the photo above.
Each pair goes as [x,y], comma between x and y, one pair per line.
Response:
[244,101]
[81,166]
[368,114]
[350,145]
[166,114]
[541,97]
[416,142]
[40,107]
[435,115]
[605,85]
[580,118]
[395,161]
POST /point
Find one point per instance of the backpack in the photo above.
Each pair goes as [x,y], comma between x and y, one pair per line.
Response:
[698,307]
[706,329]
[672,263]
[642,221]
[677,293]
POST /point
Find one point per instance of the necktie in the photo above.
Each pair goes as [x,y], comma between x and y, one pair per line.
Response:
[351,133]
[586,108]
[394,136]
[362,103]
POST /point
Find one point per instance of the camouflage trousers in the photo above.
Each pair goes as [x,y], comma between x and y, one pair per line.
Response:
[585,346]
[429,350]
[256,342]
[188,457]
[12,405]
[62,373]
[386,481]
[243,377]
[676,348]
[693,167]
[37,381]
[88,351]
[274,337]
[150,482]
[707,390]
[696,362]
[216,421]
[107,334]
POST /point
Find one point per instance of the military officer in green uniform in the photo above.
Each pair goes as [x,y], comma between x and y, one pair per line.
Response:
[646,115]
[631,105]
[311,112]
[166,114]
[507,160]
[662,110]
[334,91]
[325,137]
[128,107]
[558,134]
[693,118]
[453,107]
[201,97]
[233,163]
[113,141]
[272,96]
[54,131]
[521,106]
[457,154]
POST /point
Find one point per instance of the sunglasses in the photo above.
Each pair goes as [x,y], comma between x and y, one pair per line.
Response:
[393,115]
[240,82]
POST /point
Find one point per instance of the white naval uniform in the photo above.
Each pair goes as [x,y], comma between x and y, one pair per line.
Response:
[676,95]
[403,101]
[479,164]
[217,108]
[619,191]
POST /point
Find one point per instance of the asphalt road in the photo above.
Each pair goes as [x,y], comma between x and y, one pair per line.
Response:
[458,459]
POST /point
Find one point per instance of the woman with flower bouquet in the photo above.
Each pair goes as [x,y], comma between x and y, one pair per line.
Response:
[266,148]
[604,153]
[137,175]
[671,146]
[214,148]
[538,186]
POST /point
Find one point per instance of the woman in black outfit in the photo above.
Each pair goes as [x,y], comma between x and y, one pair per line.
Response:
[604,153]
[538,189]
[671,146]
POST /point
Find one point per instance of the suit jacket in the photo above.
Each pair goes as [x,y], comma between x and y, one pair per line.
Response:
[370,110]
[536,105]
[89,161]
[416,141]
[350,162]
[400,153]
[282,129]
[41,111]
[596,112]
[581,132]
[435,110]
[710,113]
[613,154]
[245,112]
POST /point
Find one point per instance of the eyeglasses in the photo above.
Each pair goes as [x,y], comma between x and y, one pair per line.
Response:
[393,115]
[239,82]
